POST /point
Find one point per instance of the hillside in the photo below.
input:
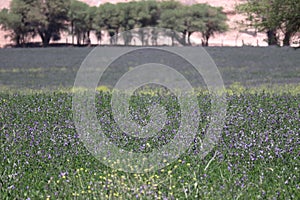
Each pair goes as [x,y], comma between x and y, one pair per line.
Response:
[233,37]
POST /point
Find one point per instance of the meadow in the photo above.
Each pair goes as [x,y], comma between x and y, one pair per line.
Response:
[257,157]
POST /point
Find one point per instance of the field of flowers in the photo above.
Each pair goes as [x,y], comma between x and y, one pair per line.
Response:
[257,157]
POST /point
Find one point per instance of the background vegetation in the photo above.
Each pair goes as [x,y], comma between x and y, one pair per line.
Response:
[47,19]
[273,16]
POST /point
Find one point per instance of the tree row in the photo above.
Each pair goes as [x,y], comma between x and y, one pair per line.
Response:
[49,18]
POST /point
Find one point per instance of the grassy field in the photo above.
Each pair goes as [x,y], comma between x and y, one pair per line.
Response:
[257,157]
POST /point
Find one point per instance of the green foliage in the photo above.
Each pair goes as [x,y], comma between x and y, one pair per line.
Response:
[43,157]
[79,17]
[214,21]
[15,20]
[273,16]
[47,18]
[108,18]
[31,17]
[196,18]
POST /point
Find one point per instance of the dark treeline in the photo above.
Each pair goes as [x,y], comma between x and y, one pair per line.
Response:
[47,19]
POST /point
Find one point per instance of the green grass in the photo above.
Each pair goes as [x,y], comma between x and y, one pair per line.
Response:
[257,157]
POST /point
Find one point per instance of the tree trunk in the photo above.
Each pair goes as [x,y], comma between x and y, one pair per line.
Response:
[272,38]
[184,38]
[117,37]
[46,37]
[205,39]
[46,41]
[78,39]
[189,38]
[72,32]
[287,39]
[18,40]
[173,39]
[111,35]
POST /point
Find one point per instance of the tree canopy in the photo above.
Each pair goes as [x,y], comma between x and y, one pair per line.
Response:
[48,18]
[15,20]
[273,16]
[45,18]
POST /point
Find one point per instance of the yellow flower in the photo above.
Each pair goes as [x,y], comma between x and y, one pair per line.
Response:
[116,194]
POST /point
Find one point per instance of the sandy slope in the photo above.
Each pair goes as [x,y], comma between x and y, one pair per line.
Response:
[230,38]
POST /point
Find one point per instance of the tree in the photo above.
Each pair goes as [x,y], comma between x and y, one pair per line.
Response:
[214,21]
[147,14]
[108,18]
[92,12]
[49,17]
[45,18]
[78,16]
[196,18]
[273,16]
[15,20]
[171,18]
[127,19]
